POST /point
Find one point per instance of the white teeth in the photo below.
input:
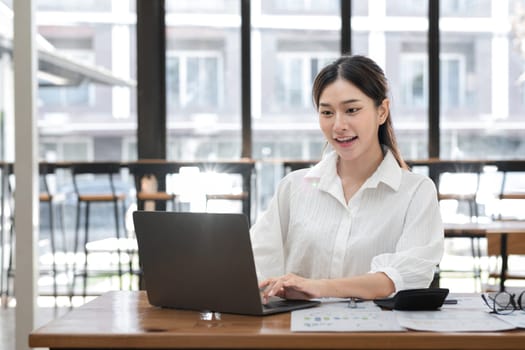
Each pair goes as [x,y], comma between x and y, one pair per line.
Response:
[346,139]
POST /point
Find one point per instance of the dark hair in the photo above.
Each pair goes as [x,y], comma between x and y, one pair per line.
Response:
[368,77]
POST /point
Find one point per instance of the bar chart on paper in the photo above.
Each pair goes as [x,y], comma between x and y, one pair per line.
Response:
[337,317]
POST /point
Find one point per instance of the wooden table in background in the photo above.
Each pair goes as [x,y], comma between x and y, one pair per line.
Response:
[125,320]
[494,228]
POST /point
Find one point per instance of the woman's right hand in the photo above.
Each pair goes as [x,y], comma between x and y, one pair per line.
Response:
[290,286]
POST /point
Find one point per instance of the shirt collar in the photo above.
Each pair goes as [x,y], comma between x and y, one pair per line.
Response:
[325,175]
[388,172]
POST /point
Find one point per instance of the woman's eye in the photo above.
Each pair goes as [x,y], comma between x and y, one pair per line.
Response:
[326,113]
[352,110]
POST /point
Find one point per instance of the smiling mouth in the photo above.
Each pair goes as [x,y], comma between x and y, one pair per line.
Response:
[345,139]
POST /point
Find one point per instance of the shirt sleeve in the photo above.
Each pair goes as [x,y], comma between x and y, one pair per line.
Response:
[421,244]
[268,234]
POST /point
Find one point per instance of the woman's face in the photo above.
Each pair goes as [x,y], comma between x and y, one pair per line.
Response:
[350,120]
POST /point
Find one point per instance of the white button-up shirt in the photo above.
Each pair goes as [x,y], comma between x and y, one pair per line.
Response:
[392,224]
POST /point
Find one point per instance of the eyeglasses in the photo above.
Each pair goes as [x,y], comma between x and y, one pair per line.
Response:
[504,303]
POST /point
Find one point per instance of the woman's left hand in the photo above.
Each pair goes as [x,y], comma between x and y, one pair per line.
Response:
[290,286]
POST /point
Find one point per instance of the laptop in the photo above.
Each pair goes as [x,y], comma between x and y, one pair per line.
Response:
[203,262]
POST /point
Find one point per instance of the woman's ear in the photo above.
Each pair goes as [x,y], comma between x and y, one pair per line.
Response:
[384,111]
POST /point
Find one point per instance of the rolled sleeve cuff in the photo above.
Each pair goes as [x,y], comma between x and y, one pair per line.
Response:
[394,275]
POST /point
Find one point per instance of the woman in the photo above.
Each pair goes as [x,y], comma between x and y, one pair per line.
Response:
[359,223]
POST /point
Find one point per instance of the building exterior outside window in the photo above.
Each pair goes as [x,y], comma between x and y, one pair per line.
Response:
[203,80]
[482,98]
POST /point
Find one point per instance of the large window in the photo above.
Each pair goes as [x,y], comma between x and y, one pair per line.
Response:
[481,95]
[291,42]
[481,111]
[294,78]
[194,81]
[86,50]
[414,81]
[482,91]
[453,82]
[81,94]
[66,149]
[203,75]
[394,34]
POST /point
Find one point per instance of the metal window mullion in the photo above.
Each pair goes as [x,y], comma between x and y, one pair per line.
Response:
[346,26]
[151,79]
[246,89]
[433,83]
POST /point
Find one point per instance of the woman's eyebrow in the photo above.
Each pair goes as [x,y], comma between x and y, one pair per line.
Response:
[352,100]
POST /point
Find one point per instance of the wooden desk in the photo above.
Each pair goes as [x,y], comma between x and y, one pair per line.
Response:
[125,320]
[500,228]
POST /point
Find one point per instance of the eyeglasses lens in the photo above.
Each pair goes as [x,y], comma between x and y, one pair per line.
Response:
[503,303]
[521,301]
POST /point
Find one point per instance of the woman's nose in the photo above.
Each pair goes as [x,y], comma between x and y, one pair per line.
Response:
[340,122]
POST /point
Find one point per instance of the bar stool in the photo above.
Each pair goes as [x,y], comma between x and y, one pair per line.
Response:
[45,196]
[105,173]
[48,197]
[6,231]
[515,247]
[510,191]
[451,171]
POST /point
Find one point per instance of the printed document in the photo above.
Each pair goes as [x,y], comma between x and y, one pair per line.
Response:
[468,315]
[449,320]
[338,317]
[517,319]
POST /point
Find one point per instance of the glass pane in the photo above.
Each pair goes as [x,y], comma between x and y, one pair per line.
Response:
[298,7]
[413,8]
[466,8]
[203,79]
[75,47]
[7,118]
[203,6]
[394,34]
[482,104]
[67,5]
[74,42]
[291,42]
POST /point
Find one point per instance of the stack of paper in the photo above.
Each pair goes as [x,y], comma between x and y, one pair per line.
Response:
[468,315]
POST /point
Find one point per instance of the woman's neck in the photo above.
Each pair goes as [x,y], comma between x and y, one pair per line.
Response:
[354,173]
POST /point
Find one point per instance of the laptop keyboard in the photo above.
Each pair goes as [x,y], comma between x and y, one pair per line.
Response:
[283,303]
[276,304]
